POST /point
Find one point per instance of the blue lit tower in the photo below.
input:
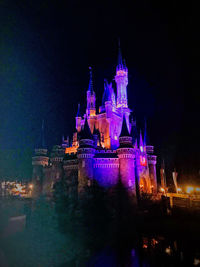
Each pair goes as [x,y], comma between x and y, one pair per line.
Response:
[40,159]
[121,79]
[126,154]
[85,157]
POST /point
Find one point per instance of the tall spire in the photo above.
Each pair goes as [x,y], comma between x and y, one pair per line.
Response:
[41,143]
[43,140]
[120,63]
[78,111]
[141,141]
[90,88]
[121,79]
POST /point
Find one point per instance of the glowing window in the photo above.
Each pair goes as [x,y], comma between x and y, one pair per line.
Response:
[143,161]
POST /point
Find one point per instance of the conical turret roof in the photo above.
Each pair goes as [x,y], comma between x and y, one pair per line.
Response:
[124,131]
[78,111]
[41,141]
[86,133]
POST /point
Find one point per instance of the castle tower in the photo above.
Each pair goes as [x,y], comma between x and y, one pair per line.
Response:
[126,154]
[151,159]
[85,158]
[121,79]
[152,168]
[91,98]
[39,161]
[78,119]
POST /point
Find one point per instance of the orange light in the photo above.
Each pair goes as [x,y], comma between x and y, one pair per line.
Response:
[179,189]
[162,189]
[70,150]
[121,72]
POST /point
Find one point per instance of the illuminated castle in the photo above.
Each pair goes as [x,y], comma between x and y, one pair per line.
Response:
[106,146]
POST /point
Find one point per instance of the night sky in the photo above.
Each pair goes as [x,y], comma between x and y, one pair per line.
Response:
[46,48]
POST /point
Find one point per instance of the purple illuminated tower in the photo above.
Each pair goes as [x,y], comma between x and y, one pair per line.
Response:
[121,79]
[126,154]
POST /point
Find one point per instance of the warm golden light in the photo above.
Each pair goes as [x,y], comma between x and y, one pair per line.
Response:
[70,150]
[162,189]
[31,186]
[189,189]
[179,189]
[168,250]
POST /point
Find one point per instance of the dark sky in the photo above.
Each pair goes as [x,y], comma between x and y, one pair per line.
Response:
[46,48]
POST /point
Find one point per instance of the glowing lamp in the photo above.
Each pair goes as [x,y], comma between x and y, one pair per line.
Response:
[141,149]
[179,189]
[31,186]
[168,250]
[143,161]
[115,137]
[189,189]
[162,189]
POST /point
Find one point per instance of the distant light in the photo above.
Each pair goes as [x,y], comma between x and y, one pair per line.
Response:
[115,137]
[196,261]
[189,189]
[141,149]
[197,189]
[30,186]
[162,189]
[179,189]
[168,250]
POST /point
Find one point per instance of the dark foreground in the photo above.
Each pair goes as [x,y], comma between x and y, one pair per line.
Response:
[101,229]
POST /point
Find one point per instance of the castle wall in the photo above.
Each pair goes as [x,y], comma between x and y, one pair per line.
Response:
[127,171]
[106,171]
[71,176]
[37,180]
[52,174]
